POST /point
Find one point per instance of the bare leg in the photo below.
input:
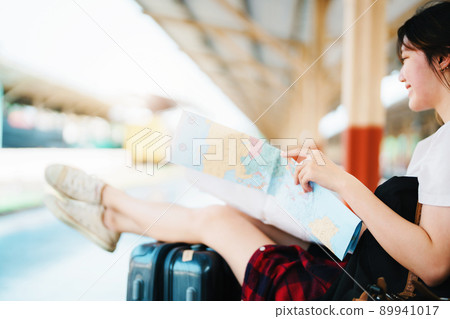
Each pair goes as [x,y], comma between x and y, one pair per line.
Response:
[222,228]
[174,222]
[120,223]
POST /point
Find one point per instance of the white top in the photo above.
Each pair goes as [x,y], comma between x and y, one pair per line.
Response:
[430,163]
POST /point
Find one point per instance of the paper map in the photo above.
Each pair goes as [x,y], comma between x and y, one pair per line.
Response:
[213,149]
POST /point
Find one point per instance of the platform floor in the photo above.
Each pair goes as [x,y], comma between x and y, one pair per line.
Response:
[43,259]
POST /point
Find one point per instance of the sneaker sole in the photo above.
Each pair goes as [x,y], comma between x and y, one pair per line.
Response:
[69,221]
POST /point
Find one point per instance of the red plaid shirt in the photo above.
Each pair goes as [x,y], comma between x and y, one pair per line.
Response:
[289,273]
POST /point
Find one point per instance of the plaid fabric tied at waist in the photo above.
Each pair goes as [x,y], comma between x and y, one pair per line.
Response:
[277,272]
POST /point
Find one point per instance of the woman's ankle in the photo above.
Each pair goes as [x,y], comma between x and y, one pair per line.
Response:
[108,195]
[109,220]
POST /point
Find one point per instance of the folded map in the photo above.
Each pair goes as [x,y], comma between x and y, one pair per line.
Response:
[216,150]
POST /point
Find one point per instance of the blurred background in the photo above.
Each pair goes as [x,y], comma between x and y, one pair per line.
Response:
[78,78]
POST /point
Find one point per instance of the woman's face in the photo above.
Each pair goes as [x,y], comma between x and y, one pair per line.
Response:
[420,80]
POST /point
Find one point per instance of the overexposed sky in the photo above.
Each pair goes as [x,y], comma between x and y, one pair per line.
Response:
[109,49]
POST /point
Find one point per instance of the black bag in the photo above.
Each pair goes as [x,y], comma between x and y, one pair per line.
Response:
[370,261]
[177,271]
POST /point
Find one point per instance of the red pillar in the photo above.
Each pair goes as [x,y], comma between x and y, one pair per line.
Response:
[362,145]
[363,67]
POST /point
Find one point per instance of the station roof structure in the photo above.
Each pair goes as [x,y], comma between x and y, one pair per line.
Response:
[260,53]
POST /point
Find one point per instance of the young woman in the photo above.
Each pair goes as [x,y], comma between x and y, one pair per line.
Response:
[266,268]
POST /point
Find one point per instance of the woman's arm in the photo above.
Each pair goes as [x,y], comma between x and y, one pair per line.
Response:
[424,249]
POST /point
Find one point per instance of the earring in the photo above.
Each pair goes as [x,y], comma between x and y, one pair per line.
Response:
[443,69]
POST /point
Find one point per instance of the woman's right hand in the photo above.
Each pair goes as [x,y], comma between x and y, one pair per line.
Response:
[316,167]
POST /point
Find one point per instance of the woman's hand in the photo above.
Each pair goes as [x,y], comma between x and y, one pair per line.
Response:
[317,168]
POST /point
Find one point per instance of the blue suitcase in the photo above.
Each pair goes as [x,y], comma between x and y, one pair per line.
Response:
[177,271]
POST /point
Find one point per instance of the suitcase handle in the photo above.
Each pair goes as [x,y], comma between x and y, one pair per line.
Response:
[137,290]
[191,294]
[198,247]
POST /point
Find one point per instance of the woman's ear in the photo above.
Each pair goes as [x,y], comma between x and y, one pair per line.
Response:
[444,62]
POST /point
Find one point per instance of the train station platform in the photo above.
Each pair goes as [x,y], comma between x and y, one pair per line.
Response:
[43,259]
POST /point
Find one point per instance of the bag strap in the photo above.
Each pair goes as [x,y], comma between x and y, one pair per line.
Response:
[418,213]
[409,287]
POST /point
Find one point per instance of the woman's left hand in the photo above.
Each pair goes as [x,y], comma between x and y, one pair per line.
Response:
[317,168]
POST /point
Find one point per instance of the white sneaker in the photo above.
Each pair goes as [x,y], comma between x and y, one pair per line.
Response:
[84,217]
[74,183]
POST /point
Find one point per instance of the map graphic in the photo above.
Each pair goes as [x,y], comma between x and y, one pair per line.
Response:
[213,149]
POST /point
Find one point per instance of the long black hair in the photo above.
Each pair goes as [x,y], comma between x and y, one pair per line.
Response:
[428,31]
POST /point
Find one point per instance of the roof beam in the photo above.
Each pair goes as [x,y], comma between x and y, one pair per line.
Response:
[237,88]
[162,19]
[238,51]
[264,37]
[227,40]
[238,95]
[237,62]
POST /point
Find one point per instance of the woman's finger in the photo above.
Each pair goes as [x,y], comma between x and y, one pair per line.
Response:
[304,177]
[298,169]
[294,154]
[306,185]
[300,177]
[290,153]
